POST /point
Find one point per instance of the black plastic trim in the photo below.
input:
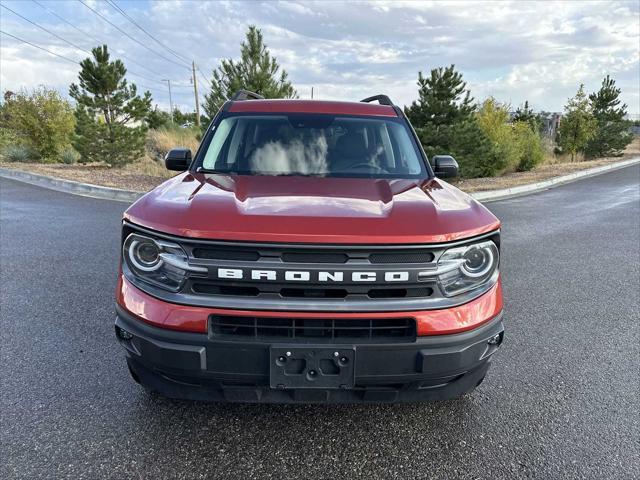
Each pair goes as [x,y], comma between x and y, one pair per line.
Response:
[200,367]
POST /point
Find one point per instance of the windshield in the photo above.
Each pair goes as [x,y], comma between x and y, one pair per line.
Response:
[325,145]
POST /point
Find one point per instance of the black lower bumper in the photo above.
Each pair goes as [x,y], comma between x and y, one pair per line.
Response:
[202,367]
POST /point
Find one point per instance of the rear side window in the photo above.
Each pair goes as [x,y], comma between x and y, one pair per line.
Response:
[324,145]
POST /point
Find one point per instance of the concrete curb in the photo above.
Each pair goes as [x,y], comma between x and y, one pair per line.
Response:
[107,193]
[69,186]
[505,193]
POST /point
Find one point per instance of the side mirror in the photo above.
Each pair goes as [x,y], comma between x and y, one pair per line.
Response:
[444,166]
[178,159]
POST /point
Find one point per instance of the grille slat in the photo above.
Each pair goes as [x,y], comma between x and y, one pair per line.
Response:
[255,290]
[313,330]
[420,256]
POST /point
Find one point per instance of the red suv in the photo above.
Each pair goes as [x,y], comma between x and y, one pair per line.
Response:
[309,252]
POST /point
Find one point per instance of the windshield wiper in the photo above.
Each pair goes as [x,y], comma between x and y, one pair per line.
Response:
[211,170]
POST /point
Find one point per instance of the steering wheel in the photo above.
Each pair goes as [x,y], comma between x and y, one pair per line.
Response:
[358,165]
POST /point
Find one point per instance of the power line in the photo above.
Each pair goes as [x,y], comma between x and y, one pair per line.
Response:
[124,14]
[71,43]
[46,30]
[129,36]
[67,22]
[204,77]
[39,47]
[156,89]
[98,41]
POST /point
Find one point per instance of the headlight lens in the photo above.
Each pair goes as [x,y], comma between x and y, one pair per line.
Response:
[158,262]
[468,267]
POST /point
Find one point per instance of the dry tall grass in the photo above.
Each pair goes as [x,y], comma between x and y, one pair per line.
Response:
[160,141]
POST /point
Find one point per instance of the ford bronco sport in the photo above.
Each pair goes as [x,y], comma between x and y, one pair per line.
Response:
[309,252]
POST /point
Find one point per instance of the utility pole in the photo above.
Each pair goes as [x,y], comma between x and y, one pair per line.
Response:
[170,101]
[195,92]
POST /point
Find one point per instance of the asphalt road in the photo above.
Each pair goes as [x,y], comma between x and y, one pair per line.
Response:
[561,400]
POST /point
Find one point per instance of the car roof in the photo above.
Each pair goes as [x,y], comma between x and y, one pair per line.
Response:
[312,106]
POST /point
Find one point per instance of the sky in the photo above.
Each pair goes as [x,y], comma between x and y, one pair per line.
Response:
[511,50]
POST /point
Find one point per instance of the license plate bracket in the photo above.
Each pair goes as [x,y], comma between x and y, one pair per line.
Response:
[311,367]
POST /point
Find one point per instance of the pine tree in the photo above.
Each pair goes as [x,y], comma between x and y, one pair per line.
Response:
[473,150]
[256,71]
[612,132]
[527,115]
[106,106]
[443,102]
[578,124]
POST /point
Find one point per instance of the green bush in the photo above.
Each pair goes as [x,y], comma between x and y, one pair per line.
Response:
[69,156]
[19,153]
[7,138]
[493,118]
[530,146]
[41,120]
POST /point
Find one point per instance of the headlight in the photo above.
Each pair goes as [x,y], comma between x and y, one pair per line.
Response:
[464,268]
[158,262]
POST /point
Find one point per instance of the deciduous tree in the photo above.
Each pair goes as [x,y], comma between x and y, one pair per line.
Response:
[41,120]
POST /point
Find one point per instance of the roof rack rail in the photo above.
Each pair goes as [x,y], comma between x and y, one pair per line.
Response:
[246,95]
[382,100]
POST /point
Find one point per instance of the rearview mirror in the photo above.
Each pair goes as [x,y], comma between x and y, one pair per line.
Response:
[178,159]
[444,166]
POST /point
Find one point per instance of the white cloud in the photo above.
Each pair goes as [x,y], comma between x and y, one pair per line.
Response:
[540,51]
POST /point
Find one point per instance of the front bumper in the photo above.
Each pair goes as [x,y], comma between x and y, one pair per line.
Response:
[198,366]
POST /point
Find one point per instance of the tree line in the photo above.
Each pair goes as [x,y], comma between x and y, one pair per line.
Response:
[111,118]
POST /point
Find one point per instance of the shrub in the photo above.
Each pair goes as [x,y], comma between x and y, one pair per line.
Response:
[529,146]
[19,153]
[7,138]
[69,156]
[493,118]
[41,120]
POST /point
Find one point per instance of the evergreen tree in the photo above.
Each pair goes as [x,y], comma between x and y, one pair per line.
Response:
[256,71]
[157,118]
[527,115]
[612,132]
[578,124]
[524,114]
[473,150]
[106,106]
[443,102]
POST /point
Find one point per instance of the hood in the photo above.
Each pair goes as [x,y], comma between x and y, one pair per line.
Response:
[311,210]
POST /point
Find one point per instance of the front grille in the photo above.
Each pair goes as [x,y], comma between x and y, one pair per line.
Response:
[296,258]
[262,329]
[298,277]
